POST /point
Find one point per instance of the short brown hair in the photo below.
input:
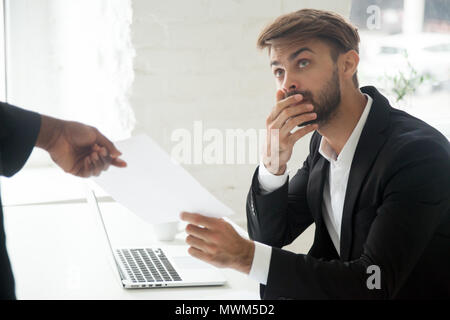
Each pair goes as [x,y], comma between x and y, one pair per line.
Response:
[305,24]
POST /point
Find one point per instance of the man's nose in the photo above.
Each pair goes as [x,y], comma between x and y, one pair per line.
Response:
[290,84]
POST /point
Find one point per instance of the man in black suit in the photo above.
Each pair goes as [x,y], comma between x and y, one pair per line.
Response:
[376,182]
[78,149]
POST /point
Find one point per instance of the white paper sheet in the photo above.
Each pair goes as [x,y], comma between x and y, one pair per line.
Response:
[154,187]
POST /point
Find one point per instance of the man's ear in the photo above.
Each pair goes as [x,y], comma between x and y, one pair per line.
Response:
[349,63]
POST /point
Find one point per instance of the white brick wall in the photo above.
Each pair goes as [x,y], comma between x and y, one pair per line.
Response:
[73,60]
[197,60]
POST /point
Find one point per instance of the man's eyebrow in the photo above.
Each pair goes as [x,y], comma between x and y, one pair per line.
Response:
[292,56]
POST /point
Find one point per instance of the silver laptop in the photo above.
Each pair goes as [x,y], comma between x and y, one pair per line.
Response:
[155,267]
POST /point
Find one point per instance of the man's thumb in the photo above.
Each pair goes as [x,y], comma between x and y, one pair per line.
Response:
[280,95]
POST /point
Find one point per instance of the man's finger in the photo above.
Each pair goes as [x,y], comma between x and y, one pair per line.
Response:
[199,254]
[282,104]
[291,112]
[302,132]
[102,151]
[198,243]
[86,170]
[95,159]
[82,168]
[104,142]
[97,163]
[198,219]
[199,232]
[297,120]
[106,162]
[118,163]
[280,95]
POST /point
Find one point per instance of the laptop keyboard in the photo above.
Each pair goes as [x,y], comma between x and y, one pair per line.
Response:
[147,265]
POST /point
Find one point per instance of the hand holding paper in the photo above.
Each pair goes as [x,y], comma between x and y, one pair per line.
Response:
[154,187]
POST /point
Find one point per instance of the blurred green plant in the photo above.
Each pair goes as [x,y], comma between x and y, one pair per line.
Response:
[406,82]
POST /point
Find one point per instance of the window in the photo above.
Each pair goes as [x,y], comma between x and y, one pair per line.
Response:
[405,53]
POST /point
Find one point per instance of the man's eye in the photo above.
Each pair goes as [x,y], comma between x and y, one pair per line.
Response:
[303,63]
[278,73]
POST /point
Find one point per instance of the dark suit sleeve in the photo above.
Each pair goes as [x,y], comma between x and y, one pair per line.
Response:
[279,217]
[18,133]
[416,199]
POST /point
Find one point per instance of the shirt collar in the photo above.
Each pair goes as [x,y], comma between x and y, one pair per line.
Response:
[346,156]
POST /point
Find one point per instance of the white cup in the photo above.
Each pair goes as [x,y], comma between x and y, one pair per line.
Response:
[165,231]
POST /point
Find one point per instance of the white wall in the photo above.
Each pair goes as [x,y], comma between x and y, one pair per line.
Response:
[197,60]
[2,57]
[71,59]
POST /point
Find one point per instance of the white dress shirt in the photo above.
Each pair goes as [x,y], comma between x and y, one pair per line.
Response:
[333,193]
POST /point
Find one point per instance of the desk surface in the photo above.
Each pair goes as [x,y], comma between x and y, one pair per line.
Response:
[59,251]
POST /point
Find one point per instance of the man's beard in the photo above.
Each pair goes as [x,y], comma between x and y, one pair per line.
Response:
[327,101]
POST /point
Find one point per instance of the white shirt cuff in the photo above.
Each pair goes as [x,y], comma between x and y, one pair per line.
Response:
[269,182]
[261,263]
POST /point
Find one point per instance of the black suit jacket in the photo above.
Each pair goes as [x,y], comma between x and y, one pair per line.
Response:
[18,133]
[396,215]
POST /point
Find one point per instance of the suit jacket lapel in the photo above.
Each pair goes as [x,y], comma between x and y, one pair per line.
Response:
[317,178]
[370,142]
